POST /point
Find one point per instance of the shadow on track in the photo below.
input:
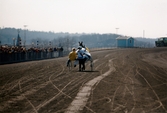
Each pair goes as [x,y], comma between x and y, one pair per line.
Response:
[88,71]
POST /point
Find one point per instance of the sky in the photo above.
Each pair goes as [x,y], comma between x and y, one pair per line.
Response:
[136,18]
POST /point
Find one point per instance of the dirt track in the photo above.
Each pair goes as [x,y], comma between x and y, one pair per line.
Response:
[123,81]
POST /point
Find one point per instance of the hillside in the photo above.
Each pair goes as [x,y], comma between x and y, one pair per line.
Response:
[92,40]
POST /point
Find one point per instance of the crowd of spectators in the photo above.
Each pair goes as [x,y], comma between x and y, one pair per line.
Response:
[8,50]
[16,49]
[16,53]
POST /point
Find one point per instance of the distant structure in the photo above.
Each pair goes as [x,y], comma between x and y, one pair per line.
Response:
[125,42]
[18,43]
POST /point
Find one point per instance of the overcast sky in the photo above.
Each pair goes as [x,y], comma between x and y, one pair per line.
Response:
[132,17]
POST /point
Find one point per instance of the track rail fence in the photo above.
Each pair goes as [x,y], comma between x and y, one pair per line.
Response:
[6,58]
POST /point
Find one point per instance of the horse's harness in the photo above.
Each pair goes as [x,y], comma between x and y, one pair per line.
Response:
[84,54]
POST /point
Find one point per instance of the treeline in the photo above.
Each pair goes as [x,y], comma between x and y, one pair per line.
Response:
[145,42]
[67,40]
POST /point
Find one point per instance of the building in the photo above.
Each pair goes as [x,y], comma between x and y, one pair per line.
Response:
[125,42]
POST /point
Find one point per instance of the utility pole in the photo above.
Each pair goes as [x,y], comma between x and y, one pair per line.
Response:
[116,30]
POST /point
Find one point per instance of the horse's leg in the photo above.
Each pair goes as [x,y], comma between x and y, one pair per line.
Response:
[68,61]
[83,63]
[84,60]
[80,63]
[70,65]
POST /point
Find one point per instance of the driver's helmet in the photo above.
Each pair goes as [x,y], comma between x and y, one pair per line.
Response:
[73,49]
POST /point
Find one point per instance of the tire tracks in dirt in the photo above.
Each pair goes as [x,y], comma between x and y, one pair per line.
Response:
[60,91]
[157,103]
[34,109]
[158,99]
[123,87]
[25,91]
[80,100]
[75,81]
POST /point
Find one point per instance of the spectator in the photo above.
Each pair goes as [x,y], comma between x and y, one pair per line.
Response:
[61,52]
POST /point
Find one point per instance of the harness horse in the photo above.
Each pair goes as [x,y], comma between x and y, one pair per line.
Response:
[83,57]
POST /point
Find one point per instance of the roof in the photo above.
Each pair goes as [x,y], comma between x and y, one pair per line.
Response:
[123,37]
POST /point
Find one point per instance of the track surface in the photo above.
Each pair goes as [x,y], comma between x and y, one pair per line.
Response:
[123,81]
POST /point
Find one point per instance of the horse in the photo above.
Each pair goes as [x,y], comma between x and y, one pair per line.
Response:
[83,57]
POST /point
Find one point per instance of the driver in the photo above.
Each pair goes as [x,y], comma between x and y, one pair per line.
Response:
[80,58]
[72,56]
